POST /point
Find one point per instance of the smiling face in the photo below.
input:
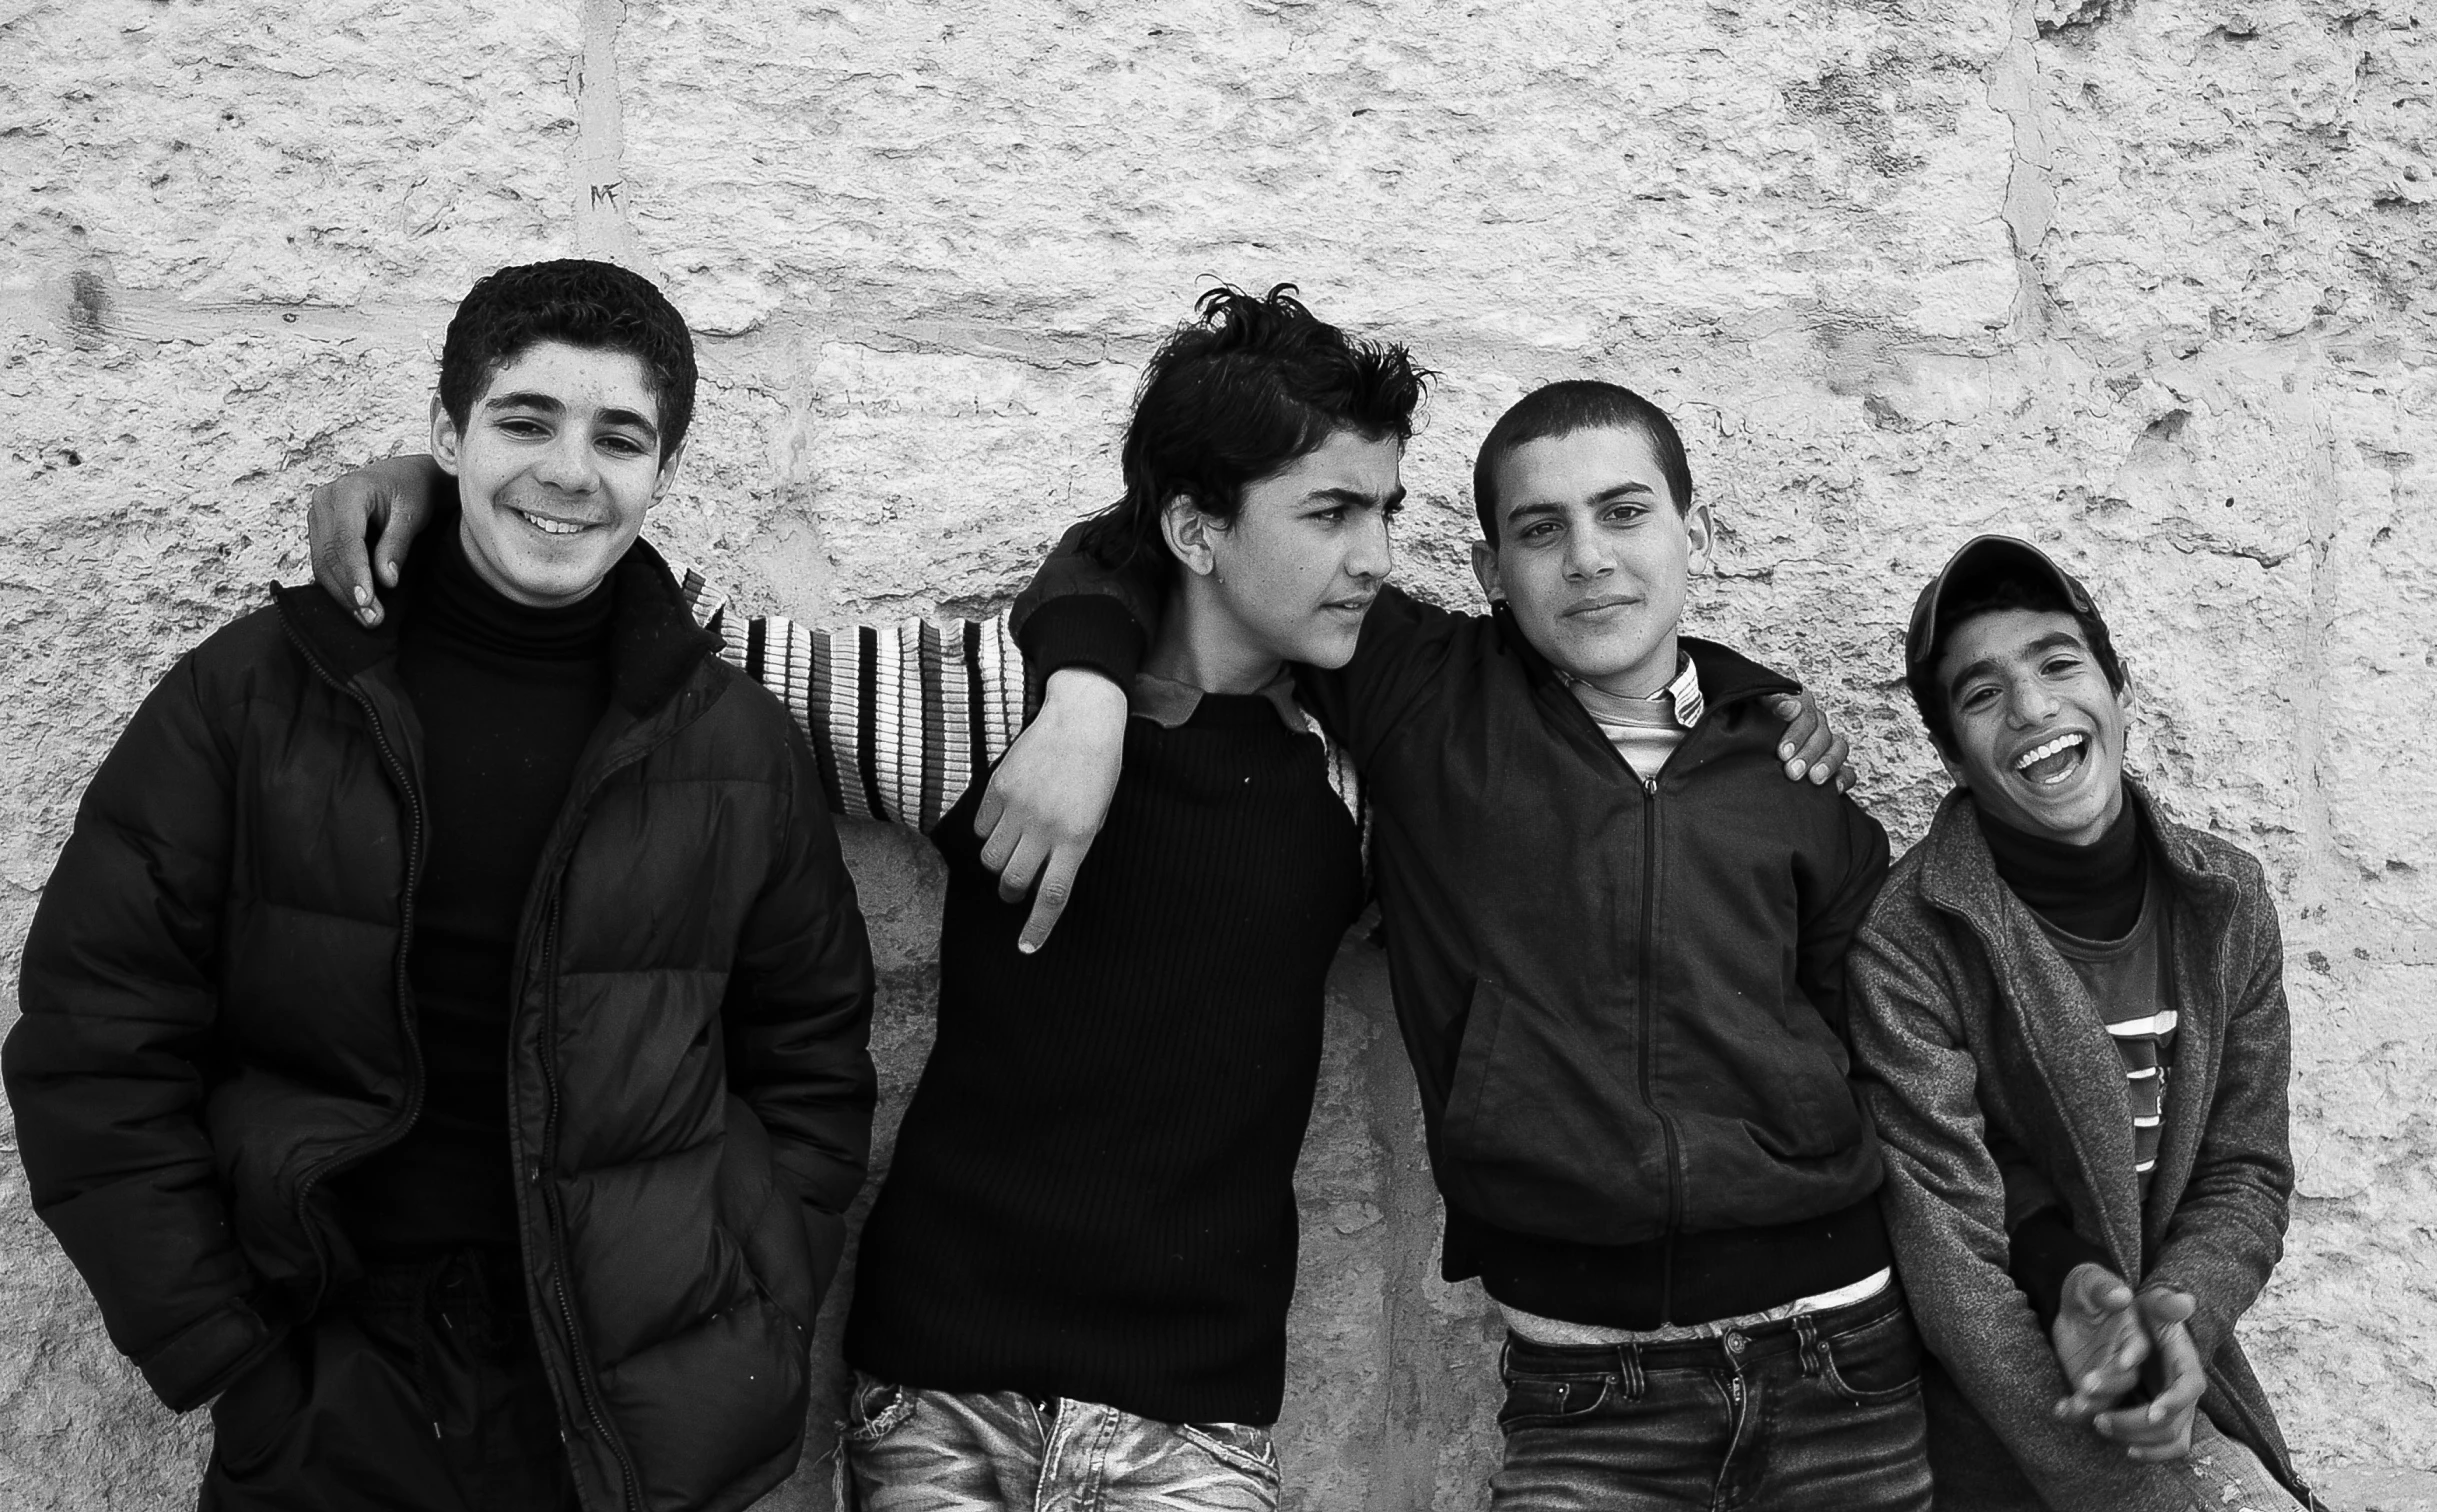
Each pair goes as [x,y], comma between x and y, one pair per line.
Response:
[2038,732]
[559,459]
[1291,576]
[1592,556]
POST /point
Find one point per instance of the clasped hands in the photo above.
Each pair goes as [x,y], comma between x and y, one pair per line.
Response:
[2115,1345]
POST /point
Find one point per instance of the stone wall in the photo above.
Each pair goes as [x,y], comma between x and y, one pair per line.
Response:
[2152,281]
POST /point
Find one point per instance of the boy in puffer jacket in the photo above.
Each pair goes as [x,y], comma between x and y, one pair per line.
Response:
[443,1046]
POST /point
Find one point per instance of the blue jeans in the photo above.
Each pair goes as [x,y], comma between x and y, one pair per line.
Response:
[906,1450]
[1813,1412]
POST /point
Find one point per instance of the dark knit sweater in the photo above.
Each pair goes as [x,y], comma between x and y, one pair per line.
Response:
[1092,1193]
[507,696]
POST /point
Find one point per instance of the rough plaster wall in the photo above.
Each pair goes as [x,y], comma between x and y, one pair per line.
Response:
[2149,280]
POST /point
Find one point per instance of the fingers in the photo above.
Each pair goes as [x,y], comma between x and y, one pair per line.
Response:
[1832,765]
[2095,1291]
[1057,884]
[1804,739]
[340,563]
[1023,864]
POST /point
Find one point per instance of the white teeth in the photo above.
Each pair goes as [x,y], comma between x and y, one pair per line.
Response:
[547,526]
[2043,752]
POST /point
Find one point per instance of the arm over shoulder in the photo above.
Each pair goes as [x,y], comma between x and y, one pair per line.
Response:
[901,719]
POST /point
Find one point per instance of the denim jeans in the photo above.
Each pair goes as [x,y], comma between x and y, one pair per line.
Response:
[906,1450]
[1817,1411]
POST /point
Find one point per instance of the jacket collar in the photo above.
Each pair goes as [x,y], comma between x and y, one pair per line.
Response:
[1726,677]
[1958,874]
[655,645]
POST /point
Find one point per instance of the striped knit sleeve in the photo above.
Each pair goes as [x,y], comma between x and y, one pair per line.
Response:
[903,718]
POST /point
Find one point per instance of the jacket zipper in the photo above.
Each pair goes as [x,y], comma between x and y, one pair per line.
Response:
[547,1173]
[1649,1017]
[405,990]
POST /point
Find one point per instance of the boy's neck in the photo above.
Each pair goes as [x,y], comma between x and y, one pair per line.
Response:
[1646,679]
[1203,646]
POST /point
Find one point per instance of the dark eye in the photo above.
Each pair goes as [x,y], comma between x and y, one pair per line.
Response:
[518,425]
[1625,514]
[1332,516]
[625,446]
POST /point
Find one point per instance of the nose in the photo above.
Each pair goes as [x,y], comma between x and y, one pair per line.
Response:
[2030,701]
[1587,555]
[1373,556]
[568,464]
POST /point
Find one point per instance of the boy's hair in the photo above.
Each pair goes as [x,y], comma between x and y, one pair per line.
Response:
[1561,409]
[1999,584]
[583,303]
[1246,387]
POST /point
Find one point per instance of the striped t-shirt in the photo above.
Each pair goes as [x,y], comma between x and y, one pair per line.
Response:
[2127,981]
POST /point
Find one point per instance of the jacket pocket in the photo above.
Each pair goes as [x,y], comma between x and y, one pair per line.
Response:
[1544,1131]
[759,1208]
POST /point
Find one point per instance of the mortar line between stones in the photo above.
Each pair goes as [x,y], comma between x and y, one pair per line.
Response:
[603,228]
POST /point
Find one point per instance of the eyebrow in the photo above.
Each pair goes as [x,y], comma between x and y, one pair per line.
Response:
[531,399]
[1355,497]
[2048,642]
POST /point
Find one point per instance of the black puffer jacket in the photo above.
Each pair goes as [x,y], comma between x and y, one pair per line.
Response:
[216,1020]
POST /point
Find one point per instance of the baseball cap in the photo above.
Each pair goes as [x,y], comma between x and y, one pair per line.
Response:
[1981,559]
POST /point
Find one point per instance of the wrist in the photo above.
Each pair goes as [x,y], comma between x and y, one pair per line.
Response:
[1084,691]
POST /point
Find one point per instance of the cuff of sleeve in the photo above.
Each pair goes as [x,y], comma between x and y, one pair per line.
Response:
[204,1359]
[2044,1251]
[1091,630]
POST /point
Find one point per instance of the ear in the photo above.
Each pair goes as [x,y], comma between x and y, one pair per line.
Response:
[668,472]
[1190,534]
[445,439]
[1702,530]
[1954,770]
[1485,568]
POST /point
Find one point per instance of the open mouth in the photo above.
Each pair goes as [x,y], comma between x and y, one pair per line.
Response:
[2053,761]
[548,526]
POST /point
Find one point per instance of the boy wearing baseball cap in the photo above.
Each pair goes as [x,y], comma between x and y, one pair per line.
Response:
[2071,1011]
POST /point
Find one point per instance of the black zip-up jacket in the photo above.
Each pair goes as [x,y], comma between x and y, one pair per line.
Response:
[1624,999]
[216,1020]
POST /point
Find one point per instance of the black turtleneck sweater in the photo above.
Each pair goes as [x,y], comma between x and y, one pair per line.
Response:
[508,696]
[2093,891]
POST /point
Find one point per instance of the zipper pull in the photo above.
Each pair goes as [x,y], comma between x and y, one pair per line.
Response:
[1650,785]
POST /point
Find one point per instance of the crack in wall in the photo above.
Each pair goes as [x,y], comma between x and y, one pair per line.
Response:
[2030,194]
[598,158]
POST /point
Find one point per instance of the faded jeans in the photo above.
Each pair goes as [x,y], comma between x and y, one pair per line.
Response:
[1821,1410]
[906,1450]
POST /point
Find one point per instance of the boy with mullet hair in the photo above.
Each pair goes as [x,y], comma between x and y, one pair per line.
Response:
[1616,936]
[443,1043]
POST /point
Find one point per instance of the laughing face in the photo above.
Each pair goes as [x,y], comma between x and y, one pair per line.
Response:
[558,460]
[2039,733]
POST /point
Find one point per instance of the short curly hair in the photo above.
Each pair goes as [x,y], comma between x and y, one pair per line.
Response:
[582,303]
